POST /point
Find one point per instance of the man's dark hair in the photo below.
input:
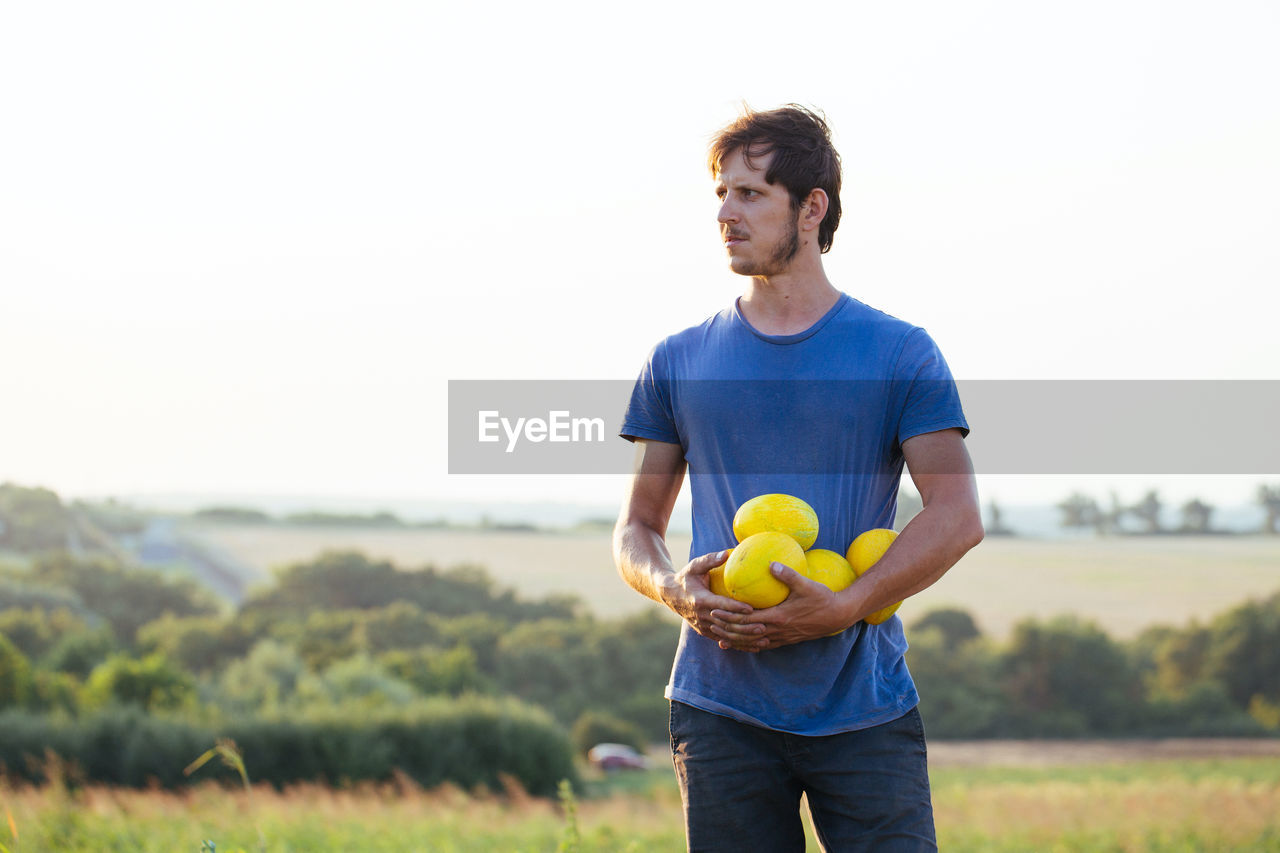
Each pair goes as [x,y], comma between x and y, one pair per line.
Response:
[803,156]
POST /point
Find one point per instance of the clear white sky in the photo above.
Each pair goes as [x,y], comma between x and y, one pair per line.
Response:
[244,245]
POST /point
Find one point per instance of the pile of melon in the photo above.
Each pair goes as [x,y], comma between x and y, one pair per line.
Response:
[779,528]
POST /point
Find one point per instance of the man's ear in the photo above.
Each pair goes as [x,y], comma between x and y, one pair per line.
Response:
[813,209]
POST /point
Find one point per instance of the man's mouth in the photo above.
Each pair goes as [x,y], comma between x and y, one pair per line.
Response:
[733,239]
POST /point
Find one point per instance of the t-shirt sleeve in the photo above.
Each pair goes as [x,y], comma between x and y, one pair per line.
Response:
[930,399]
[649,413]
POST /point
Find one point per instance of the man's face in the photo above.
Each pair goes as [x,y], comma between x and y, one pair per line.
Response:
[757,220]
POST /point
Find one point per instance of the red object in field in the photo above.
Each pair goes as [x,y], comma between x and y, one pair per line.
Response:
[616,756]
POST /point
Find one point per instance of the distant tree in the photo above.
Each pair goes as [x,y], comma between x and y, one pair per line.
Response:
[1244,650]
[112,516]
[34,631]
[956,626]
[32,519]
[359,680]
[481,632]
[350,580]
[1196,515]
[632,662]
[432,670]
[959,686]
[1067,674]
[231,515]
[268,677]
[568,666]
[126,598]
[402,625]
[1204,709]
[1108,521]
[152,683]
[1079,510]
[15,676]
[22,592]
[331,519]
[593,727]
[54,692]
[200,644]
[326,636]
[77,653]
[1148,511]
[550,663]
[1269,499]
[1177,658]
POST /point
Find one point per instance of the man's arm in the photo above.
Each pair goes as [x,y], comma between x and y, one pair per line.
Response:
[935,540]
[640,547]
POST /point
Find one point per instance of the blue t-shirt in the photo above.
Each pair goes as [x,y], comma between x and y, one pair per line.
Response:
[820,415]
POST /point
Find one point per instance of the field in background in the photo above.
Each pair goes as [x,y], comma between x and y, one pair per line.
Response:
[1125,583]
[1130,798]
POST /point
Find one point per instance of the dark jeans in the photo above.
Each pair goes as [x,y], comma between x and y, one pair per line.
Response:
[741,785]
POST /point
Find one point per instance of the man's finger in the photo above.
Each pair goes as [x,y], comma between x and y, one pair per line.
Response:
[743,645]
[707,562]
[793,579]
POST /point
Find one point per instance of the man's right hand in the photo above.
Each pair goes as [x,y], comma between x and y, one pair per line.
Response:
[640,547]
[690,597]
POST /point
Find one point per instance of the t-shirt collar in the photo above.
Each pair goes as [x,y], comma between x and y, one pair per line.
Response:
[798,336]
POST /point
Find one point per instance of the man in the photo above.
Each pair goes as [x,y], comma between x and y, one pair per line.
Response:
[797,388]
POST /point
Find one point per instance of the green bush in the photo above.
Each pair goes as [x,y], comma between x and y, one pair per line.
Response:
[470,742]
[960,695]
[35,630]
[32,519]
[198,643]
[15,675]
[434,671]
[956,626]
[1244,651]
[127,598]
[402,625]
[467,745]
[362,681]
[152,683]
[595,727]
[267,678]
[18,591]
[344,580]
[79,652]
[568,665]
[231,515]
[1205,709]
[1067,678]
[325,636]
[55,692]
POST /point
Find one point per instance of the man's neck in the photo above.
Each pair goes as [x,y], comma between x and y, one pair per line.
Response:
[787,304]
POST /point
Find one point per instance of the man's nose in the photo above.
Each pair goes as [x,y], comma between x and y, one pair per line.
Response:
[727,212]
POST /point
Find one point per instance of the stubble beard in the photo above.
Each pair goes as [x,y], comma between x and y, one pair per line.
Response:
[783,254]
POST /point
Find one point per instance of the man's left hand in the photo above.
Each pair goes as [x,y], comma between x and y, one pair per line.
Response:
[809,612]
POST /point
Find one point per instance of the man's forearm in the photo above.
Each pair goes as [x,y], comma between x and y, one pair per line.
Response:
[643,560]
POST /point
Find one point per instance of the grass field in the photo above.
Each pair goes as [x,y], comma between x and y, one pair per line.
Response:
[1124,583]
[1126,798]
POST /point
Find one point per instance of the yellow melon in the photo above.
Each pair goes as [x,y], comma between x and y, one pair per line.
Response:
[863,554]
[829,569]
[777,513]
[747,575]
